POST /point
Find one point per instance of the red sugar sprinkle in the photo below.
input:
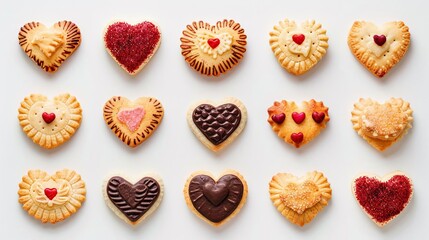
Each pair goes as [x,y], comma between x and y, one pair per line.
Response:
[383,200]
[132,45]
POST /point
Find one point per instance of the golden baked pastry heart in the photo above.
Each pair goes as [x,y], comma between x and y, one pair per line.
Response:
[213,50]
[298,47]
[379,48]
[300,199]
[133,121]
[381,125]
[50,123]
[298,125]
[49,47]
[51,198]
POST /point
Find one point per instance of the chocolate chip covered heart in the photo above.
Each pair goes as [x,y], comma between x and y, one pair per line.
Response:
[132,46]
[217,126]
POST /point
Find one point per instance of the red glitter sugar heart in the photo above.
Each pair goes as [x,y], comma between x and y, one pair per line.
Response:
[383,200]
[279,118]
[298,38]
[297,137]
[379,39]
[50,193]
[298,117]
[132,46]
[213,42]
[48,117]
[318,117]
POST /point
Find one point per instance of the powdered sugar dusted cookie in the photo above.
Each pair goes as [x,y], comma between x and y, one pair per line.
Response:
[51,198]
[379,48]
[132,46]
[381,125]
[298,47]
[133,202]
[213,50]
[133,121]
[50,123]
[49,47]
[217,124]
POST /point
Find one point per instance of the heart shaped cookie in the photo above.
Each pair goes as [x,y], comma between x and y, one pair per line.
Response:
[298,125]
[298,47]
[383,199]
[217,125]
[49,47]
[50,123]
[300,199]
[381,125]
[215,200]
[379,48]
[133,202]
[133,121]
[51,198]
[213,50]
[132,46]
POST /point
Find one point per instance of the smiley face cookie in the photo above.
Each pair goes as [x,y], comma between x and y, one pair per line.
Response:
[50,123]
[379,48]
[213,50]
[49,47]
[298,48]
[298,125]
[51,198]
[381,125]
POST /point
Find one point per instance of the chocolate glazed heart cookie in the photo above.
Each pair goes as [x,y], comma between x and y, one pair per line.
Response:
[215,201]
[133,202]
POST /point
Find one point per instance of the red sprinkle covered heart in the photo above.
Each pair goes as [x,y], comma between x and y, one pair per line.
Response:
[298,38]
[379,39]
[297,137]
[278,118]
[132,45]
[50,193]
[213,42]
[298,117]
[318,116]
[48,117]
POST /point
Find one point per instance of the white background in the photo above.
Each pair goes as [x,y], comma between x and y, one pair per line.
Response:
[173,152]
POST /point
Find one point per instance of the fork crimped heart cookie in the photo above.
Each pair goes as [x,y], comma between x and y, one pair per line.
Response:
[381,125]
[51,198]
[132,46]
[133,122]
[215,200]
[379,48]
[50,123]
[49,47]
[133,202]
[298,47]
[300,199]
[216,125]
[383,198]
[213,50]
[298,125]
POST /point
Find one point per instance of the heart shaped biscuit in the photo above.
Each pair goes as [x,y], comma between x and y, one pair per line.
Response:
[213,50]
[298,48]
[132,46]
[49,47]
[133,121]
[381,125]
[217,125]
[215,201]
[383,199]
[51,198]
[50,123]
[300,199]
[379,48]
[298,125]
[133,202]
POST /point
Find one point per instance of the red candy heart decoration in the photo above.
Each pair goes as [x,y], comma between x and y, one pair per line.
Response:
[379,39]
[213,42]
[298,117]
[48,117]
[318,117]
[298,38]
[297,137]
[279,118]
[50,193]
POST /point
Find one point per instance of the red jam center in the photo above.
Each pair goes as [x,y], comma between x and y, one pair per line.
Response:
[278,118]
[132,45]
[297,137]
[318,117]
[383,200]
[379,39]
[298,38]
[298,117]
[50,193]
[213,42]
[48,117]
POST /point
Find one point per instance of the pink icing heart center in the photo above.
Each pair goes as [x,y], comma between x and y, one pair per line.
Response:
[298,38]
[131,117]
[213,42]
[379,39]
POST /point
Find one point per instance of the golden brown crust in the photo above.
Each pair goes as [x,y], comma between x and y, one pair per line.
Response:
[49,47]
[213,61]
[379,59]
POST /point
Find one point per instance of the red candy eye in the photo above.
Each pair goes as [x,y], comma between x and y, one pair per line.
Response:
[298,117]
[298,38]
[379,39]
[318,117]
[278,118]
[213,42]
